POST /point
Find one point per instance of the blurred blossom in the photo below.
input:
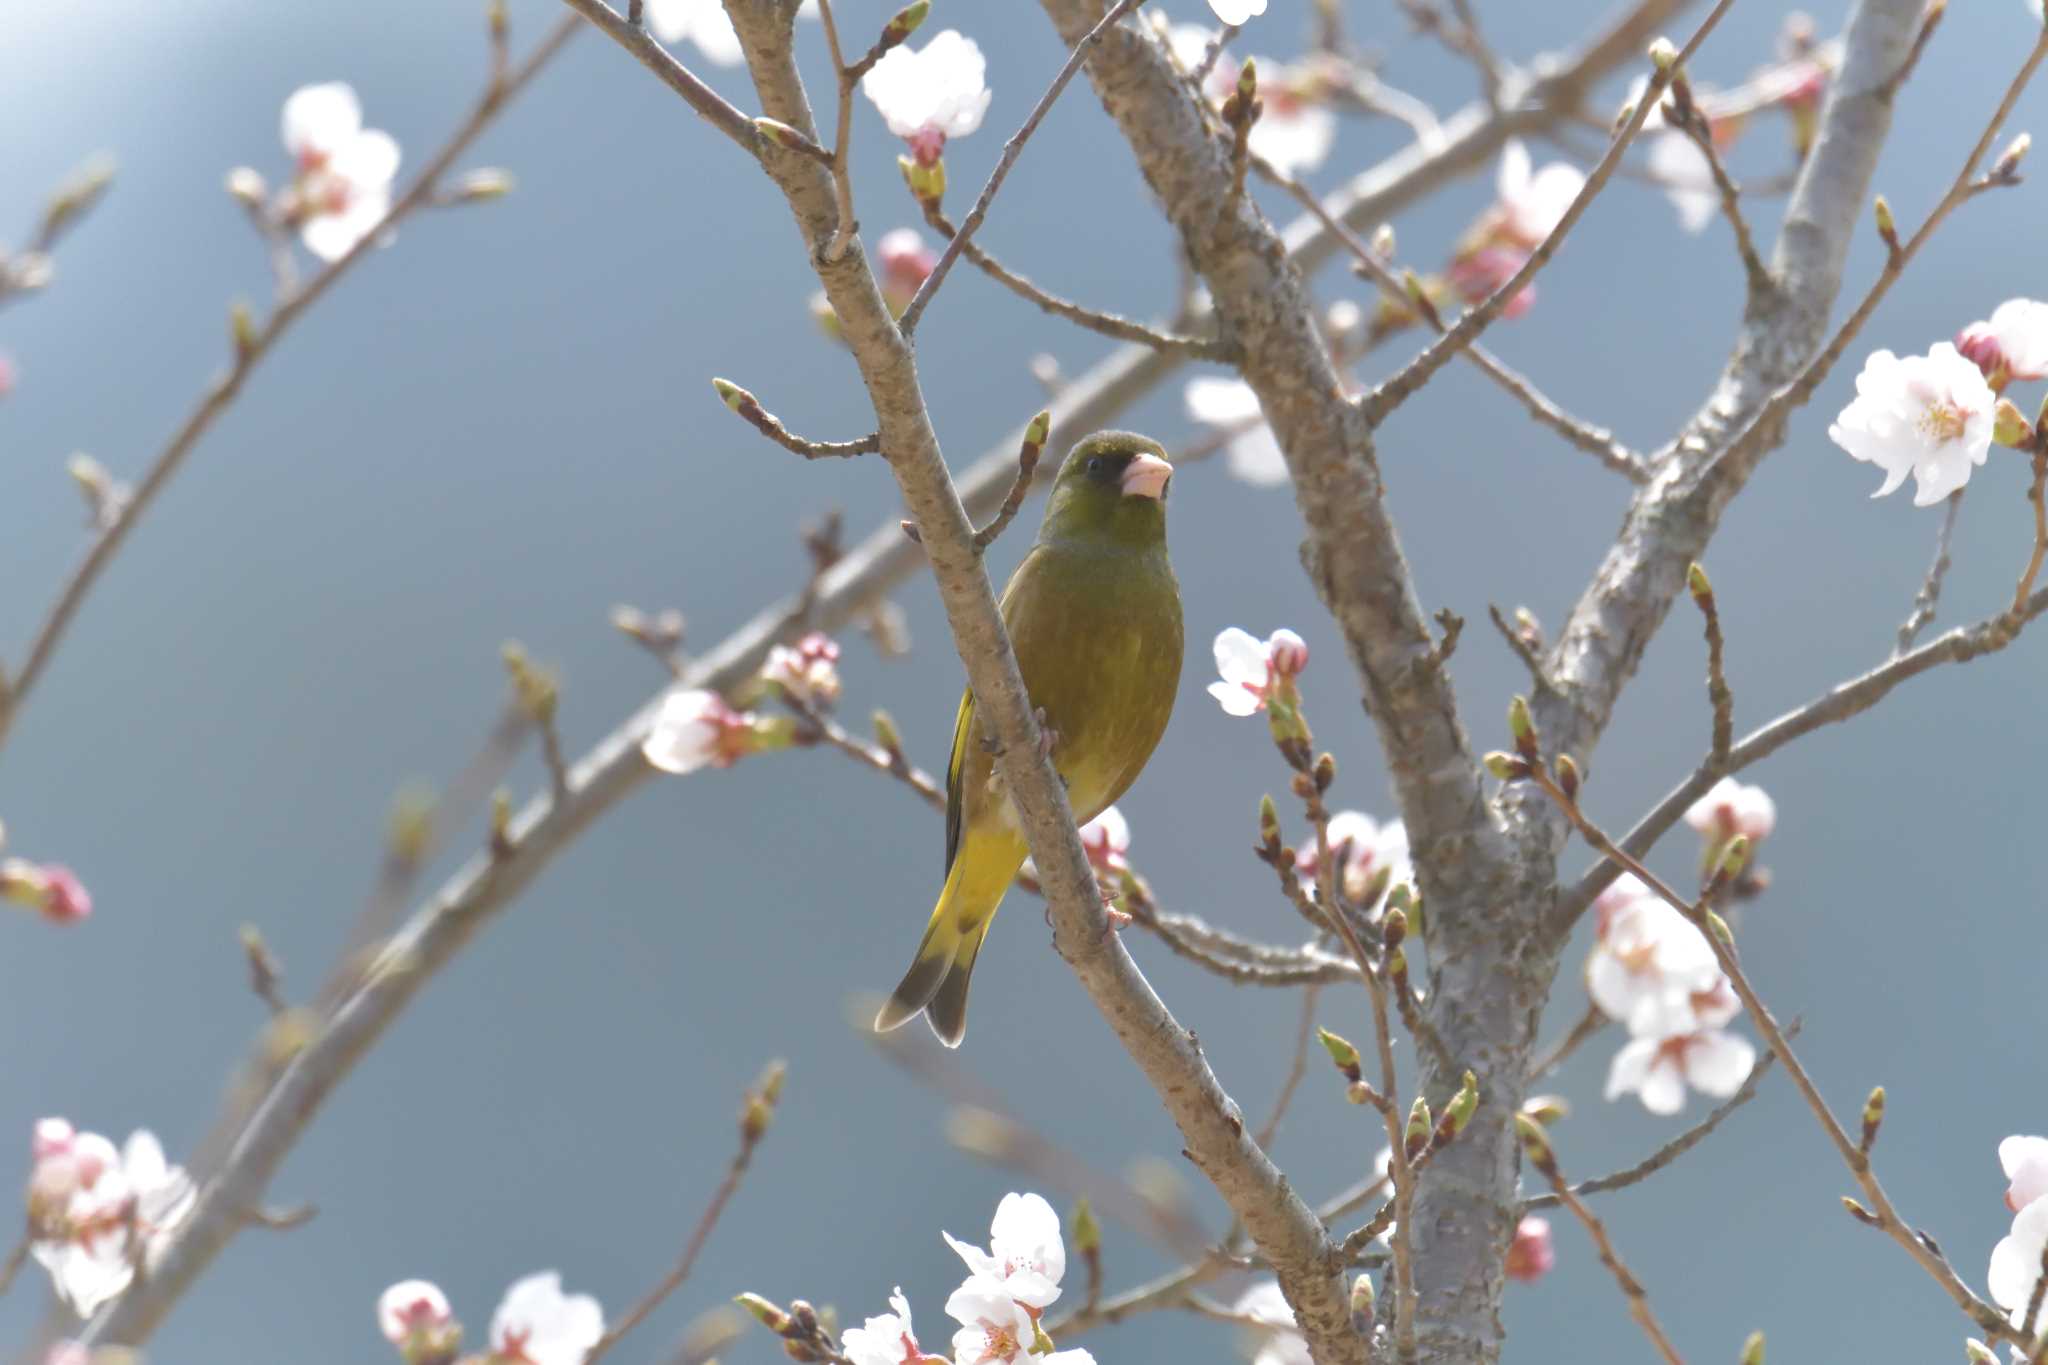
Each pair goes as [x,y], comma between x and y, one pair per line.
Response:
[1106,839]
[2016,1261]
[1658,1070]
[1929,416]
[1026,1256]
[1688,180]
[50,889]
[1230,406]
[342,187]
[1284,1343]
[927,95]
[697,729]
[2013,344]
[907,260]
[809,672]
[2025,1160]
[1254,673]
[1731,808]
[1529,204]
[415,1317]
[1373,858]
[886,1339]
[537,1324]
[94,1211]
[1294,132]
[1237,11]
[1475,275]
[704,23]
[1654,972]
[1530,1254]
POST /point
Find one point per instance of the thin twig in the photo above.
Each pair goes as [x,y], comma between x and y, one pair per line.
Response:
[1028,452]
[1296,1068]
[748,408]
[1536,1146]
[17,1257]
[221,393]
[755,1113]
[1530,654]
[1754,270]
[1011,149]
[1595,441]
[1838,704]
[1929,597]
[1095,320]
[1672,1150]
[1590,1023]
[1395,391]
[842,175]
[1719,696]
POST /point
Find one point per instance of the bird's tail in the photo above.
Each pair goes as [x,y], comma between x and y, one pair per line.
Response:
[936,984]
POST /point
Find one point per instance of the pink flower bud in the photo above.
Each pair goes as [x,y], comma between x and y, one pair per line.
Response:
[1477,274]
[1530,1255]
[1287,653]
[50,889]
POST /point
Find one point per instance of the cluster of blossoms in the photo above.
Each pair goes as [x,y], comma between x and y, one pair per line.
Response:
[1653,971]
[697,728]
[2017,1259]
[98,1214]
[536,1324]
[340,190]
[1936,416]
[1008,1288]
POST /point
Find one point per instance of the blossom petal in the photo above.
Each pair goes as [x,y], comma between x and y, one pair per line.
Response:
[320,118]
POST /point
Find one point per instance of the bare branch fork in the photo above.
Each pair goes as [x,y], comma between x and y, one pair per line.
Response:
[1390,395]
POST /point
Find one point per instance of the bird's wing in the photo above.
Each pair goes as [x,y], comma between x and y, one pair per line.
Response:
[963,727]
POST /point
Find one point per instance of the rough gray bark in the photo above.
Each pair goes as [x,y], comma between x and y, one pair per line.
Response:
[1488,871]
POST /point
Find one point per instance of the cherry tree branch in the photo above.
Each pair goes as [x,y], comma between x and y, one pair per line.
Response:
[248,355]
[1395,391]
[1011,149]
[550,823]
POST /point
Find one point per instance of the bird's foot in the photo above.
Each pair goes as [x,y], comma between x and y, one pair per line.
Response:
[1048,738]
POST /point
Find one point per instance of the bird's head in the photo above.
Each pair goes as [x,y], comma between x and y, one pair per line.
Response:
[1112,486]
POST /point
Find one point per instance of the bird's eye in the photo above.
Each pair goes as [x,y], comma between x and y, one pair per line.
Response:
[1094,464]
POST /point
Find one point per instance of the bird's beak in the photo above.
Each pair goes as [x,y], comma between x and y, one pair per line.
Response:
[1145,477]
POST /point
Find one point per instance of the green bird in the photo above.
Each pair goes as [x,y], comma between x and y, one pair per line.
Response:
[1094,615]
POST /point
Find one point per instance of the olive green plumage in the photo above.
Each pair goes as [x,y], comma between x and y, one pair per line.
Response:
[1094,615]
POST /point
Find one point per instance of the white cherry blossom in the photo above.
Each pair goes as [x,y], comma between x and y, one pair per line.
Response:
[886,1338]
[2025,1160]
[537,1324]
[1026,1256]
[1658,1070]
[344,170]
[1531,203]
[2013,344]
[929,94]
[1929,416]
[1252,454]
[2016,1261]
[1252,672]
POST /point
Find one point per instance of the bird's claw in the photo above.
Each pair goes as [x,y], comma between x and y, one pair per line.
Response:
[1048,738]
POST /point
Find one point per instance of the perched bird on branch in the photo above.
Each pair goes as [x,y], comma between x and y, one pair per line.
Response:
[1094,615]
